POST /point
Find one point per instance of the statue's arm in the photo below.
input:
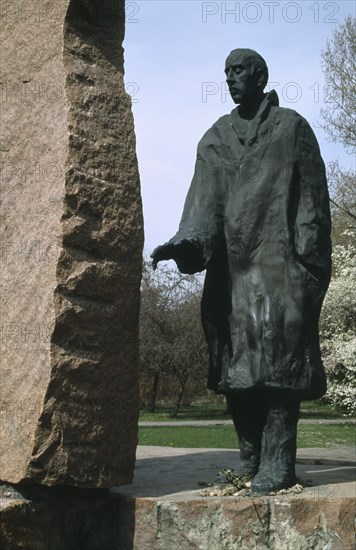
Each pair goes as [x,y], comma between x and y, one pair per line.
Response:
[313,221]
[200,236]
[183,251]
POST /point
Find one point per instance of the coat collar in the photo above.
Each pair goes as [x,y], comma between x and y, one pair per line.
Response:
[270,99]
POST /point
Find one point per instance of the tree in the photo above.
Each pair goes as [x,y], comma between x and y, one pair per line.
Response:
[339,66]
[172,344]
[338,317]
[155,332]
[190,357]
[339,116]
[343,201]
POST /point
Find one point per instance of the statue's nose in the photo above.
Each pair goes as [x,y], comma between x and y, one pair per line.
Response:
[229,77]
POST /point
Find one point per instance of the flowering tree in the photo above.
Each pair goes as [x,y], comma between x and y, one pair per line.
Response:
[337,328]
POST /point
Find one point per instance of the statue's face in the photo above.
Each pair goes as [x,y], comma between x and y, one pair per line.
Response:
[240,79]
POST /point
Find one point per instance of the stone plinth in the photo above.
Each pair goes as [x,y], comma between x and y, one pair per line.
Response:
[79,522]
[240,524]
[71,247]
[163,508]
[58,518]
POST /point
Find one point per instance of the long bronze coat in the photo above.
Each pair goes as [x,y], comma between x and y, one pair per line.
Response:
[257,219]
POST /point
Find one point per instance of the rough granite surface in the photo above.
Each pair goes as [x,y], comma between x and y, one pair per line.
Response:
[78,520]
[71,239]
[240,524]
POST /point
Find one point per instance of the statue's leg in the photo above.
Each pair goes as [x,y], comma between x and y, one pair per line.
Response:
[249,416]
[279,447]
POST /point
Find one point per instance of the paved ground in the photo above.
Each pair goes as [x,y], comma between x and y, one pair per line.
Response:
[173,473]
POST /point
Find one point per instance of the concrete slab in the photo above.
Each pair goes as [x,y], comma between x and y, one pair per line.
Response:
[166,472]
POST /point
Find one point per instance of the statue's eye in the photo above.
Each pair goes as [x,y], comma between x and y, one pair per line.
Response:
[237,69]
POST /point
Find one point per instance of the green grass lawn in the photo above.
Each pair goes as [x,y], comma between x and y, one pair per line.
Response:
[212,411]
[313,435]
[198,411]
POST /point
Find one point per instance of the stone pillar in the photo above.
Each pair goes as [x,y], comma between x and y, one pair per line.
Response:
[71,243]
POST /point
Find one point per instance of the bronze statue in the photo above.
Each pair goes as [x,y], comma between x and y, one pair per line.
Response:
[257,218]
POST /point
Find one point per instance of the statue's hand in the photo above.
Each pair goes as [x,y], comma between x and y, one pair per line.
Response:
[162,252]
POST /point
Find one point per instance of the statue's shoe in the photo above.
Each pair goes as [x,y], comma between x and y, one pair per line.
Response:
[248,473]
[228,477]
[263,484]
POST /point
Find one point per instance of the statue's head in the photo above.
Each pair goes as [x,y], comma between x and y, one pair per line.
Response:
[246,74]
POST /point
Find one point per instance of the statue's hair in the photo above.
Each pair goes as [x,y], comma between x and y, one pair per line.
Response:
[256,61]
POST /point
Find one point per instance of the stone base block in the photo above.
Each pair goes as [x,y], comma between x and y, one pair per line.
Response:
[74,519]
[241,524]
[58,518]
[163,509]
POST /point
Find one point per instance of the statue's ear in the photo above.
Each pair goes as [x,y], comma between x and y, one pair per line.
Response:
[259,78]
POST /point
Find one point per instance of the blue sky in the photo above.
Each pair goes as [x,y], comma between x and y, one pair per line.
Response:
[174,62]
